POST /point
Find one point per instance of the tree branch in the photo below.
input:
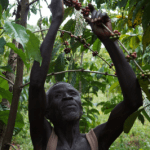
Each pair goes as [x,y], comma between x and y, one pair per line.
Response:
[82,43]
[7,80]
[40,22]
[33,2]
[46,2]
[18,2]
[80,70]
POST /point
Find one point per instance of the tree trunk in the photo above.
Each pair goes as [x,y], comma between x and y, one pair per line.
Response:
[12,61]
[18,83]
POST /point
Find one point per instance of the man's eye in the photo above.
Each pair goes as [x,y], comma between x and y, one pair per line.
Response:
[58,95]
[73,92]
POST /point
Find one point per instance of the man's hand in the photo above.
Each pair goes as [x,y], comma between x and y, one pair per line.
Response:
[96,20]
[57,8]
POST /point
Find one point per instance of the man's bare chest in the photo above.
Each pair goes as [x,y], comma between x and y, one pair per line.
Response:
[81,144]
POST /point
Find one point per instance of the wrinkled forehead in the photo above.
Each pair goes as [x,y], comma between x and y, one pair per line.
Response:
[62,86]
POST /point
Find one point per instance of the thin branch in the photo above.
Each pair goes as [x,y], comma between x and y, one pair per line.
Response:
[123,47]
[11,146]
[33,2]
[80,70]
[40,22]
[46,2]
[1,28]
[7,79]
[40,30]
[84,43]
[2,33]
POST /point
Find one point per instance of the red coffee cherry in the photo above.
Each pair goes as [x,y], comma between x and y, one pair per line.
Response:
[95,53]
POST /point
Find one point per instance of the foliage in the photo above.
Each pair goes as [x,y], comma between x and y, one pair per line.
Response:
[131,19]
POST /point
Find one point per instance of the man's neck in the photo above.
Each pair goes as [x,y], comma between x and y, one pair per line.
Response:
[68,132]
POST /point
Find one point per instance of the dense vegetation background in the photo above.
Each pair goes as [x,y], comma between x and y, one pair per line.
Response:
[94,78]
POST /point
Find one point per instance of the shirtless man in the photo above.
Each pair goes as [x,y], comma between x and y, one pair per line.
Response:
[62,103]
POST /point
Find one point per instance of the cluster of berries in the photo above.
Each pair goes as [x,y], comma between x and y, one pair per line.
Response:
[95,53]
[111,65]
[77,5]
[116,35]
[73,3]
[67,50]
[62,34]
[133,55]
[85,11]
[145,75]
[4,72]
[86,45]
[66,43]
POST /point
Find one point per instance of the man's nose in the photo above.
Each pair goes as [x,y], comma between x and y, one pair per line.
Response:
[66,96]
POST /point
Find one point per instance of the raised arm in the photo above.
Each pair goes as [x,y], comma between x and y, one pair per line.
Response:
[37,98]
[109,131]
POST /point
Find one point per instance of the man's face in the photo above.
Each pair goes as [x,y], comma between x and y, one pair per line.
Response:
[65,99]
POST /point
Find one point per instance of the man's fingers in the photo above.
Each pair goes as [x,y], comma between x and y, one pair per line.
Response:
[99,14]
[88,20]
[105,17]
[91,7]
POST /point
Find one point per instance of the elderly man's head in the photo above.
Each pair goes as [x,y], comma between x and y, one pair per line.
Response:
[64,103]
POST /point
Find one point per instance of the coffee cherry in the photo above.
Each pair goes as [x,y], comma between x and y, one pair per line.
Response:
[134,55]
[65,43]
[85,45]
[72,35]
[95,53]
[67,50]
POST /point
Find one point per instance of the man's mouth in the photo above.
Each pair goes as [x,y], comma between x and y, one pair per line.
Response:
[69,106]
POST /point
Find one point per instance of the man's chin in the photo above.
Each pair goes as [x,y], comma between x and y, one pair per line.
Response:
[71,116]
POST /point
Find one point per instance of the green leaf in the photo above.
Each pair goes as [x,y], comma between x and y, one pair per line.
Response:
[146,115]
[137,8]
[4,4]
[130,121]
[69,26]
[68,12]
[99,2]
[60,66]
[146,18]
[144,85]
[134,42]
[146,39]
[122,3]
[141,118]
[6,68]
[94,111]
[56,49]
[73,81]
[1,11]
[2,43]
[19,123]
[33,9]
[4,84]
[97,45]
[113,86]
[6,94]
[33,47]
[17,32]
[19,52]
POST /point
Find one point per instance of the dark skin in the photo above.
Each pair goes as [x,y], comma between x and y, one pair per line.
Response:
[65,100]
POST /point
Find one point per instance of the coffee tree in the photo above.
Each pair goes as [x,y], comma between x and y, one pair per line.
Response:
[78,58]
